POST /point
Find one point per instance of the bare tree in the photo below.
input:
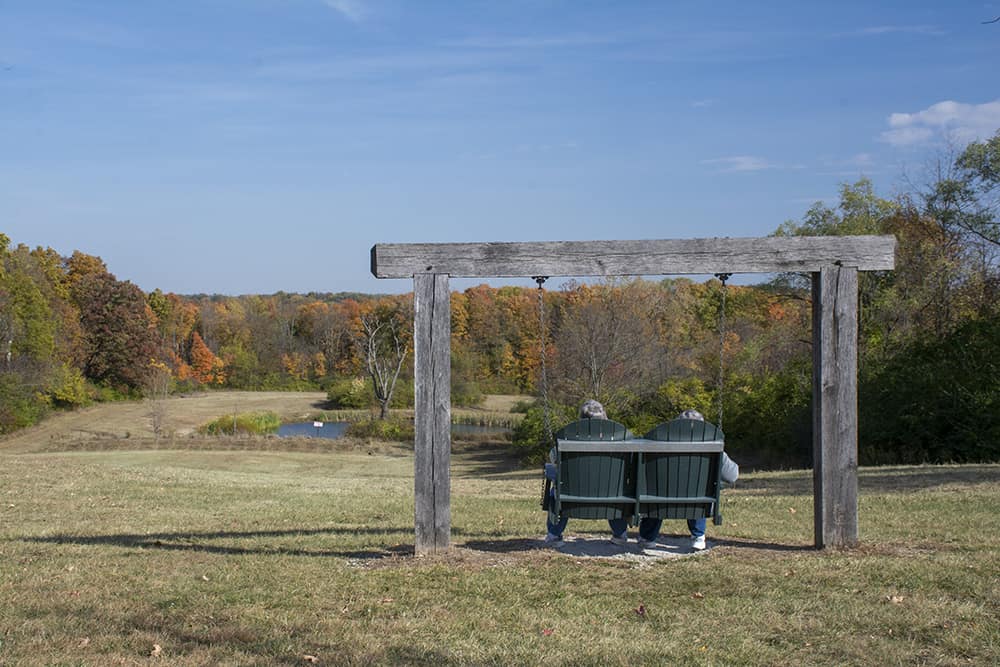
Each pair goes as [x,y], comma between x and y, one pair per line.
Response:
[606,343]
[385,344]
[157,387]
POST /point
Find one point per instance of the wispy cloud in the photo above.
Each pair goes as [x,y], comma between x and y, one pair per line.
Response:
[353,10]
[700,104]
[879,30]
[741,163]
[949,120]
[427,63]
[532,42]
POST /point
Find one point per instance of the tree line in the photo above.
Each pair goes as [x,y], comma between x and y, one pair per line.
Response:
[71,333]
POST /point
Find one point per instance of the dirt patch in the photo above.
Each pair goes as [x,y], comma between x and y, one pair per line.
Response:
[181,416]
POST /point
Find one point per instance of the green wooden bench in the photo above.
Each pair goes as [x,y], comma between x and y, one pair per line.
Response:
[594,472]
[681,478]
[603,472]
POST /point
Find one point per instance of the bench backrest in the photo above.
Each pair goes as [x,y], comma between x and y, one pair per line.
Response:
[595,484]
[681,485]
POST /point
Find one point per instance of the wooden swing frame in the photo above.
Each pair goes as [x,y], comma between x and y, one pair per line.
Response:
[832,261]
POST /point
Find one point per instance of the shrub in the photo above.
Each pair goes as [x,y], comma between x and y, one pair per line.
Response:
[20,406]
[936,401]
[350,393]
[253,423]
[522,407]
[67,387]
[382,429]
[465,393]
[676,395]
[530,434]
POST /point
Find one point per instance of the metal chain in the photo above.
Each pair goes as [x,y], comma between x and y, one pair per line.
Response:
[542,354]
[723,277]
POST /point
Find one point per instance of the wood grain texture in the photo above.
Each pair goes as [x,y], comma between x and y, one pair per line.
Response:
[835,407]
[633,258]
[432,414]
[640,445]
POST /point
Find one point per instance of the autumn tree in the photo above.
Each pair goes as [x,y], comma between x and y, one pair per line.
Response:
[206,367]
[119,330]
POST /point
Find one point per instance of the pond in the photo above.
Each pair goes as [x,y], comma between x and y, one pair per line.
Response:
[334,430]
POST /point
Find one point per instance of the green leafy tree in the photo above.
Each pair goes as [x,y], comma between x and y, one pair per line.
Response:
[966,194]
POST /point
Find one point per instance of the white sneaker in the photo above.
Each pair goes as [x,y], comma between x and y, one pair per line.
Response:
[698,543]
[554,540]
[620,540]
[646,544]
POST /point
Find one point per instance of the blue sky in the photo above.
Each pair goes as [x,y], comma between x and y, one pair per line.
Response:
[252,146]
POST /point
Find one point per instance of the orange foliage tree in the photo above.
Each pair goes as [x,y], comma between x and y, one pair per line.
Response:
[205,366]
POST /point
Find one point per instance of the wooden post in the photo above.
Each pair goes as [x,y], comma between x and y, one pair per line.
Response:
[432,411]
[835,406]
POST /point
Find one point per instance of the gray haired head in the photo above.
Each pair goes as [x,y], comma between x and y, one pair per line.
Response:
[691,414]
[591,409]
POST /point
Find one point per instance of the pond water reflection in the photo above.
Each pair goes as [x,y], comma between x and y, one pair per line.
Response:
[332,430]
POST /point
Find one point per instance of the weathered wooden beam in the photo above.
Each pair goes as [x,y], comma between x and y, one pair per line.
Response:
[835,406]
[633,258]
[432,414]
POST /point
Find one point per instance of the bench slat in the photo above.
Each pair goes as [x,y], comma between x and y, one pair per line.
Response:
[640,445]
[683,500]
[617,500]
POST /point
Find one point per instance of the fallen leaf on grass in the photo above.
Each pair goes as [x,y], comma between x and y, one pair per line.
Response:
[641,610]
[157,650]
[84,643]
[546,632]
[311,659]
[894,599]
[791,510]
[698,596]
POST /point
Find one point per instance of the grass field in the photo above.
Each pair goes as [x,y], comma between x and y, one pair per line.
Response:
[236,555]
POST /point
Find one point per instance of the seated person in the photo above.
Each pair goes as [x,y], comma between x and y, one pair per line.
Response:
[590,409]
[730,473]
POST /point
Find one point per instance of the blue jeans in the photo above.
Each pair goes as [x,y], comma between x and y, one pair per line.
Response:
[697,527]
[649,529]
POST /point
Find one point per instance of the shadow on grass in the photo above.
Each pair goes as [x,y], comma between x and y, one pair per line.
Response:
[888,479]
[512,545]
[200,541]
[491,458]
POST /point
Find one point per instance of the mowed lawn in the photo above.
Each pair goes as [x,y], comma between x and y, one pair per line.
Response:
[203,557]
